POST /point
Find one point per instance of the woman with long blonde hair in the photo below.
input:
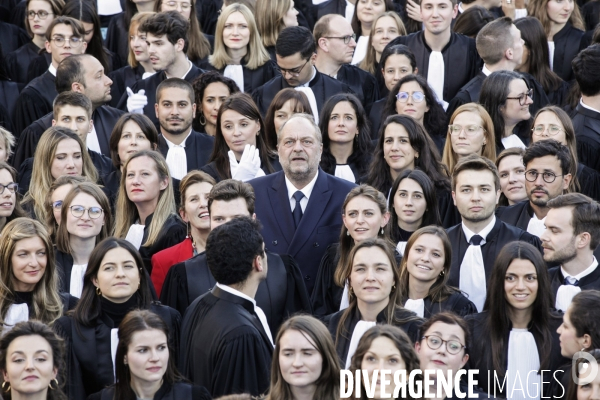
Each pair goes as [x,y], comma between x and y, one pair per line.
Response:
[239,53]
[274,17]
[386,27]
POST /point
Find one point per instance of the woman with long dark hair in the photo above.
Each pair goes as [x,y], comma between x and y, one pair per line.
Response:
[346,138]
[211,89]
[286,102]
[516,332]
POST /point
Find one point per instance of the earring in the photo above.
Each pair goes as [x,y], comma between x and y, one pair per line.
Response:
[6,387]
[382,230]
[442,273]
[55,381]
[98,291]
[347,233]
[393,288]
[202,117]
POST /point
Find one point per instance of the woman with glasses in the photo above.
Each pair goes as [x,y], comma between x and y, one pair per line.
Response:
[86,221]
[516,332]
[274,17]
[412,96]
[56,196]
[506,96]
[554,123]
[512,176]
[10,207]
[471,131]
[38,16]
[365,12]
[239,53]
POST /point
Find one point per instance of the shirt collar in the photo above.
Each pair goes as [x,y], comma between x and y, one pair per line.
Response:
[52,69]
[460,8]
[485,70]
[306,190]
[582,274]
[311,79]
[483,233]
[186,72]
[171,144]
[586,106]
[231,290]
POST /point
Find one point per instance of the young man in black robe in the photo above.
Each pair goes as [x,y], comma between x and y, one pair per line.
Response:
[547,165]
[479,238]
[281,295]
[295,52]
[572,235]
[335,47]
[586,118]
[446,59]
[184,148]
[500,46]
[83,74]
[166,34]
[226,345]
[64,38]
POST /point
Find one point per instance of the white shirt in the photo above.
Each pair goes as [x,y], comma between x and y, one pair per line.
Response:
[588,107]
[177,159]
[565,293]
[483,233]
[259,312]
[349,11]
[536,226]
[306,190]
[551,48]
[512,141]
[486,71]
[184,75]
[523,357]
[52,69]
[460,8]
[344,171]
[76,281]
[360,51]
[310,95]
[520,13]
[92,141]
[109,7]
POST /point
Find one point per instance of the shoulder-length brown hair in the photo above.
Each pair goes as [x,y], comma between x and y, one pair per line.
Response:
[369,63]
[144,123]
[136,21]
[537,8]
[317,334]
[62,235]
[271,22]
[300,104]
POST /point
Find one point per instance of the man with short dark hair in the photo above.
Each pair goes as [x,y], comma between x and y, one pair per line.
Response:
[295,52]
[547,165]
[226,345]
[586,117]
[571,236]
[477,241]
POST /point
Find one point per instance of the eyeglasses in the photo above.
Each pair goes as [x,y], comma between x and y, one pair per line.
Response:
[452,346]
[93,212]
[346,38]
[522,97]
[57,205]
[60,41]
[184,6]
[548,177]
[42,14]
[469,130]
[294,71]
[12,187]
[552,130]
[416,96]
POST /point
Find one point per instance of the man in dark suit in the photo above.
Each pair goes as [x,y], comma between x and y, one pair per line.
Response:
[184,149]
[300,207]
[572,235]
[225,343]
[479,238]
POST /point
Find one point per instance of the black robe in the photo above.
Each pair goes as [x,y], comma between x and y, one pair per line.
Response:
[461,60]
[104,117]
[591,14]
[149,85]
[117,37]
[331,7]
[224,346]
[501,234]
[587,131]
[198,148]
[362,83]
[456,303]
[167,391]
[255,78]
[122,79]
[172,232]
[9,91]
[411,327]
[589,181]
[567,43]
[323,87]
[375,116]
[68,302]
[517,215]
[588,282]
[480,353]
[12,36]
[39,65]
[17,62]
[89,366]
[34,102]
[280,296]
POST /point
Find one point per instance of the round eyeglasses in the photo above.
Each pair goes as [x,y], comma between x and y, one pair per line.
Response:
[417,97]
[552,130]
[548,177]
[434,342]
[522,97]
[93,212]
[60,41]
[469,130]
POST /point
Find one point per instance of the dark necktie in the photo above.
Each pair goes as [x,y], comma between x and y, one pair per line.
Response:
[297,213]
[569,280]
[476,240]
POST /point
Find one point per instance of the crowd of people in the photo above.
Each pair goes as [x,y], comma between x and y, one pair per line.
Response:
[240,199]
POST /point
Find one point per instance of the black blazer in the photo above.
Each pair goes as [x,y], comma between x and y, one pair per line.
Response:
[516,215]
[587,130]
[567,43]
[362,83]
[255,78]
[198,148]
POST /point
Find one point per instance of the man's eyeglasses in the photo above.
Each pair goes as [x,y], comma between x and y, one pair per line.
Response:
[42,14]
[93,212]
[346,38]
[552,130]
[548,177]
[294,71]
[12,187]
[522,97]
[469,130]
[435,342]
[416,96]
[60,41]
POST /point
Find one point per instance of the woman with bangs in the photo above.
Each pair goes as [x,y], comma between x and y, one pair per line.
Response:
[146,215]
[239,53]
[286,103]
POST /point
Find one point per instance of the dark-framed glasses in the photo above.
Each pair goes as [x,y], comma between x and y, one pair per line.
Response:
[60,41]
[294,71]
[93,212]
[417,97]
[522,97]
[12,187]
[548,177]
[346,38]
[42,14]
[552,129]
[470,130]
[434,342]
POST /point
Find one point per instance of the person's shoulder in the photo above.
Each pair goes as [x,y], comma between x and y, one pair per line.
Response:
[463,39]
[453,229]
[111,110]
[266,180]
[63,326]
[552,272]
[515,208]
[336,182]
[203,137]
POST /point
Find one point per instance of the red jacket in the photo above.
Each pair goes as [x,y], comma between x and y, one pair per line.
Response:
[165,259]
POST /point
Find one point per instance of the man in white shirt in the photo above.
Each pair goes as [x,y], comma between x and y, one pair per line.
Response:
[572,234]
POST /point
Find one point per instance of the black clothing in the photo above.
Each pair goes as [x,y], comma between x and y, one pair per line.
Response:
[17,62]
[588,282]
[362,83]
[559,96]
[12,36]
[34,102]
[9,91]
[461,60]
[69,302]
[457,303]
[280,296]
[331,7]
[501,234]
[123,78]
[255,78]
[323,87]
[591,14]
[587,132]
[516,215]
[211,169]
[172,232]
[224,345]
[117,37]
[198,148]
[567,43]
[589,181]
[39,65]
[375,116]
[167,391]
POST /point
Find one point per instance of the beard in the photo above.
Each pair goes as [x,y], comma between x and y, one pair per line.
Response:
[564,255]
[183,127]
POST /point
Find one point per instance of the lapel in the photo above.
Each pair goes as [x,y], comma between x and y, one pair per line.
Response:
[103,132]
[490,249]
[524,216]
[163,147]
[459,245]
[191,152]
[280,204]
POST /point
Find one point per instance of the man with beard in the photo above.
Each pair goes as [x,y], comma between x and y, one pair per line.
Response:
[477,241]
[184,149]
[299,207]
[547,165]
[572,233]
